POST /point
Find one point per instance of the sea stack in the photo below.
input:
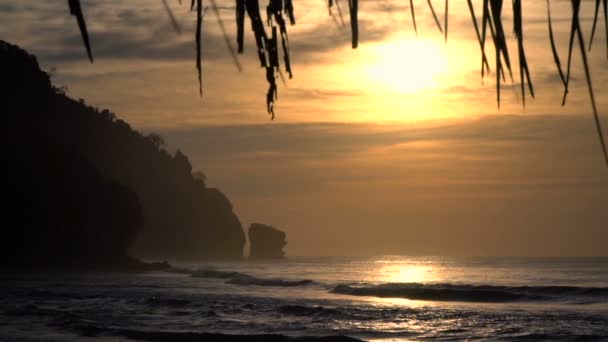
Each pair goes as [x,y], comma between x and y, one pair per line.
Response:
[266,242]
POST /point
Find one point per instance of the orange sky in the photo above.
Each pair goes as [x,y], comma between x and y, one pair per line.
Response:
[397,147]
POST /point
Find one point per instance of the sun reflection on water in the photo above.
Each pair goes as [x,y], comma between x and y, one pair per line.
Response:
[399,270]
[390,271]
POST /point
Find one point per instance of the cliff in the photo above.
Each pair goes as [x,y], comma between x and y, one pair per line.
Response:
[182,217]
[59,212]
[266,242]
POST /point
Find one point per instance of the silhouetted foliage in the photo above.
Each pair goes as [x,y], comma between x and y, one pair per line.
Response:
[183,218]
[491,19]
[266,242]
[156,139]
[200,176]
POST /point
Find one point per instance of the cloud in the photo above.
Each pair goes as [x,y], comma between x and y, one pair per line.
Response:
[140,29]
[508,184]
[490,143]
[7,8]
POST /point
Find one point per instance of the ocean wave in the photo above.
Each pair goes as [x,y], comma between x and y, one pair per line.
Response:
[211,273]
[250,280]
[162,336]
[476,293]
[166,302]
[178,270]
[237,278]
[302,310]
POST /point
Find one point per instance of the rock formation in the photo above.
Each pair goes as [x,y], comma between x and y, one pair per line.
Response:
[266,242]
[61,213]
[182,217]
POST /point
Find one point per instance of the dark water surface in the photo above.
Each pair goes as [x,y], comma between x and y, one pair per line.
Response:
[382,298]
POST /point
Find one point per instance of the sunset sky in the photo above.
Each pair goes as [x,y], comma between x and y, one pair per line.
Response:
[397,147]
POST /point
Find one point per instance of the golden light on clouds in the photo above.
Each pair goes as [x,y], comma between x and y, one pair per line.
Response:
[406,65]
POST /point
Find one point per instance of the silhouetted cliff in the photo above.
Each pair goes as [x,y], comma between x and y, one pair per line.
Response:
[266,242]
[59,212]
[183,218]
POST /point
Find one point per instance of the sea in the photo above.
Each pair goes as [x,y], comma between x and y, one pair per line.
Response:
[388,298]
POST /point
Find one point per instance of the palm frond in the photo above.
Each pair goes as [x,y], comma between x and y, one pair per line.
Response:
[199,24]
[240,24]
[220,23]
[484,60]
[171,16]
[434,15]
[553,48]
[491,24]
[353,7]
[340,12]
[413,16]
[576,26]
[524,71]
[445,20]
[76,10]
[595,19]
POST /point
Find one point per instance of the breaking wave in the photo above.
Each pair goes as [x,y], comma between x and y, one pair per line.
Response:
[477,293]
[237,278]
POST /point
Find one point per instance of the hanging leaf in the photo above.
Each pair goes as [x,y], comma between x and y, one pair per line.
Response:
[171,16]
[220,23]
[595,18]
[573,28]
[445,21]
[553,48]
[484,59]
[253,11]
[340,13]
[595,15]
[289,12]
[240,24]
[413,16]
[500,36]
[286,59]
[268,50]
[434,15]
[76,11]
[273,48]
[523,63]
[275,10]
[581,42]
[353,7]
[485,21]
[605,2]
[500,44]
[199,24]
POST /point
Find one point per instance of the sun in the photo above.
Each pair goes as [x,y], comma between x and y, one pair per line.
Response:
[406,65]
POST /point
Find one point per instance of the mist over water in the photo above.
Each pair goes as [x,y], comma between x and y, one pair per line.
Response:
[392,298]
